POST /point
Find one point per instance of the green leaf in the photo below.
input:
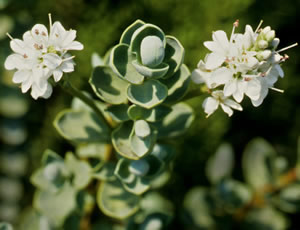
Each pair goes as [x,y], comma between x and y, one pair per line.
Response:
[56,207]
[115,201]
[257,163]
[232,195]
[143,32]
[118,112]
[93,150]
[50,156]
[105,172]
[5,226]
[31,219]
[148,95]
[176,122]
[151,72]
[97,60]
[108,86]
[81,170]
[138,186]
[122,171]
[220,165]
[127,34]
[177,85]
[121,64]
[152,51]
[157,113]
[288,199]
[198,205]
[81,126]
[174,55]
[265,219]
[121,140]
[143,145]
[163,152]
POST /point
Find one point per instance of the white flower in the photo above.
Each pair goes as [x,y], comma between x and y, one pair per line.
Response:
[211,104]
[41,55]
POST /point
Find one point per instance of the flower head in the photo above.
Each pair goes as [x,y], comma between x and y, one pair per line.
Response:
[41,55]
[243,65]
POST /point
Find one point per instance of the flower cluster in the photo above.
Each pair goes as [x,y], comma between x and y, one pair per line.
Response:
[245,64]
[41,55]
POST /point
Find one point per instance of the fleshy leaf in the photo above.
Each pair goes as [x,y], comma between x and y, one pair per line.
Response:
[121,64]
[220,165]
[198,204]
[138,186]
[108,86]
[157,113]
[81,171]
[177,85]
[122,171]
[257,163]
[46,203]
[115,201]
[174,55]
[127,34]
[81,126]
[105,172]
[141,33]
[176,122]
[118,112]
[5,226]
[148,95]
[288,199]
[93,150]
[154,73]
[121,140]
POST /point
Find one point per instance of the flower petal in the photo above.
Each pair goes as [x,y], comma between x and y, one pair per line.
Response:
[68,38]
[75,45]
[253,89]
[227,109]
[51,60]
[48,92]
[233,104]
[14,61]
[214,60]
[221,76]
[17,46]
[21,76]
[57,74]
[210,105]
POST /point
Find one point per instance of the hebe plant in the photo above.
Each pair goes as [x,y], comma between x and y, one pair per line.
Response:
[120,134]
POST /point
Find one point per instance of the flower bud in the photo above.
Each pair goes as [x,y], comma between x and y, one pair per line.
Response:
[275,43]
[262,44]
[263,55]
[270,35]
[266,29]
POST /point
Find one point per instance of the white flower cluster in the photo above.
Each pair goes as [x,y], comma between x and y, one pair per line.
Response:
[41,55]
[246,64]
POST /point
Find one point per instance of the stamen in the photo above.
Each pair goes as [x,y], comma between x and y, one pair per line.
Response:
[288,47]
[25,56]
[8,35]
[277,90]
[43,33]
[259,25]
[37,32]
[50,21]
[235,24]
[67,59]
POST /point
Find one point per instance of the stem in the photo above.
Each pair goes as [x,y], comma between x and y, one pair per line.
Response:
[69,88]
[192,94]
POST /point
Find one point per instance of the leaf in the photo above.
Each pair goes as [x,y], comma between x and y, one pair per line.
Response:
[138,186]
[118,112]
[105,172]
[288,199]
[174,55]
[220,165]
[176,122]
[115,201]
[142,32]
[97,60]
[5,226]
[177,85]
[81,126]
[122,171]
[108,86]
[151,72]
[121,140]
[93,150]
[265,219]
[198,205]
[121,64]
[157,113]
[257,163]
[56,207]
[127,34]
[147,95]
[81,171]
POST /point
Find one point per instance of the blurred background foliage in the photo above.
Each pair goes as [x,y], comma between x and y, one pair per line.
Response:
[26,125]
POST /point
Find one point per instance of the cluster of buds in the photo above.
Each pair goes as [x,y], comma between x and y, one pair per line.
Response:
[41,55]
[245,64]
